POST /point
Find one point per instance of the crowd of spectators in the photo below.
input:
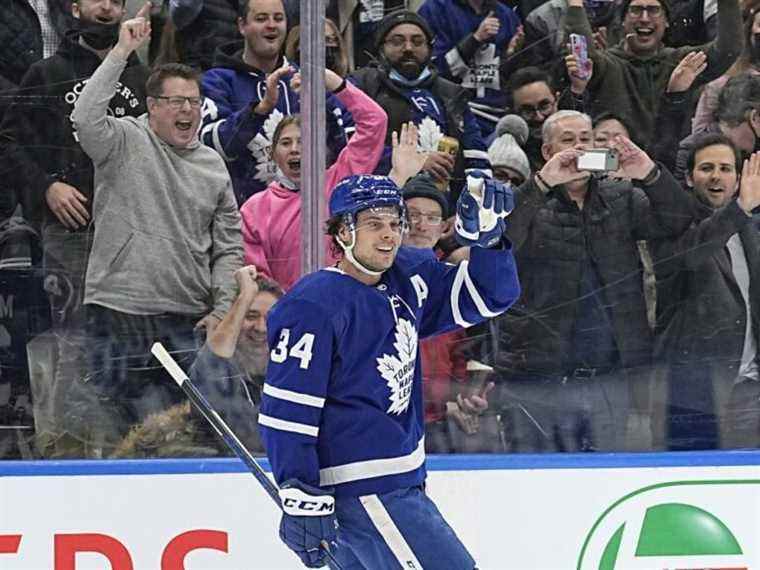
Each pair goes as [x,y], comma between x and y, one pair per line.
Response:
[154,152]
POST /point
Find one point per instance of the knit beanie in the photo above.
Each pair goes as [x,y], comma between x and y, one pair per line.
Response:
[504,151]
[422,186]
[400,17]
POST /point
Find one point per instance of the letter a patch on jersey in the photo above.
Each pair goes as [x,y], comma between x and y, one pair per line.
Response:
[398,370]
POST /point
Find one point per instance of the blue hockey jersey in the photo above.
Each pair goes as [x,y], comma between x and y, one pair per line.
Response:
[480,72]
[429,114]
[244,139]
[342,402]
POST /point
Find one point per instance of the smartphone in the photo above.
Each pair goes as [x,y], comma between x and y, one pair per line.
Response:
[580,48]
[598,160]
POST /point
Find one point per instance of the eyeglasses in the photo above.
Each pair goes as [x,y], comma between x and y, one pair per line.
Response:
[545,107]
[429,219]
[176,102]
[653,10]
[401,41]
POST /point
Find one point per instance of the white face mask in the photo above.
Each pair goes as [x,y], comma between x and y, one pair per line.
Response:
[284,181]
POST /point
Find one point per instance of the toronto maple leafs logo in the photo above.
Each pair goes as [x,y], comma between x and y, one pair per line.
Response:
[261,147]
[398,370]
[429,133]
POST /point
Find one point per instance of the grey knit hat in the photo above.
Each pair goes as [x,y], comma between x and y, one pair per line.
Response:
[504,151]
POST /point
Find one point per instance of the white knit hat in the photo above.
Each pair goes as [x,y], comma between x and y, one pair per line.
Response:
[504,151]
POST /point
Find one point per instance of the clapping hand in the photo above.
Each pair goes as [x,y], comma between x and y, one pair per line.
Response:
[516,43]
[749,190]
[406,158]
[332,81]
[687,70]
[269,102]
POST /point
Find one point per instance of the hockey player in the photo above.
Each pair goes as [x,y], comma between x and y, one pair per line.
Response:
[342,413]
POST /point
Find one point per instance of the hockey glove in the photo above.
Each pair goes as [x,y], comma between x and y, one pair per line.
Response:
[481,211]
[308,519]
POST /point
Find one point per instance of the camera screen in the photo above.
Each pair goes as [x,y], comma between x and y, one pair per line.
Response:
[593,160]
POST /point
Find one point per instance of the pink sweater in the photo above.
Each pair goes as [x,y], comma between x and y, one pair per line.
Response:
[272,218]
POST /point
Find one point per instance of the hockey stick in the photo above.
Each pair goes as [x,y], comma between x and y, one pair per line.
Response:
[221,427]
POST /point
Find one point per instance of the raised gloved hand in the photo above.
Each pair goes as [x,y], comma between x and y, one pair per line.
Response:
[481,211]
[308,521]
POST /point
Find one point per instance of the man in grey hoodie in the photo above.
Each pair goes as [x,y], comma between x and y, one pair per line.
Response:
[167,236]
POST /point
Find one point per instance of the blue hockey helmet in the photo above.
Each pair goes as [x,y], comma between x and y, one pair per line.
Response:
[360,192]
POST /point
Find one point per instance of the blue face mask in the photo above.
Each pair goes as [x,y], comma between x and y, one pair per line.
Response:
[398,78]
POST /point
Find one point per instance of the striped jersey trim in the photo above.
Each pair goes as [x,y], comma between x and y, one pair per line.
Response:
[373,468]
[295,397]
[456,290]
[391,534]
[483,309]
[283,425]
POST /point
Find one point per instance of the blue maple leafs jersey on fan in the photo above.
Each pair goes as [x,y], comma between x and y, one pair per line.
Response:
[429,115]
[342,402]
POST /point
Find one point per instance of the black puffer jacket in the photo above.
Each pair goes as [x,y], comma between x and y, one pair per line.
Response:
[553,239]
[215,25]
[701,314]
[21,37]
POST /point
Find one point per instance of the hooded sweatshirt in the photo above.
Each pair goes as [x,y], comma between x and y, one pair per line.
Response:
[633,86]
[167,229]
[244,138]
[44,142]
[272,219]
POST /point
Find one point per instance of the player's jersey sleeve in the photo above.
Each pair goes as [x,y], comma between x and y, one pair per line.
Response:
[462,295]
[301,340]
[475,150]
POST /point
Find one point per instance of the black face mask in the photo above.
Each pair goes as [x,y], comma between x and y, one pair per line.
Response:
[754,48]
[332,58]
[99,36]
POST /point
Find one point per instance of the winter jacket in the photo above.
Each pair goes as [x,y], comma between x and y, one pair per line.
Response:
[39,124]
[244,138]
[553,240]
[632,86]
[21,37]
[167,228]
[701,314]
[438,107]
[202,27]
[272,219]
[463,59]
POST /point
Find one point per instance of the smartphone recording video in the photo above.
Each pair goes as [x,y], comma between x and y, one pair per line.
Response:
[579,47]
[598,160]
